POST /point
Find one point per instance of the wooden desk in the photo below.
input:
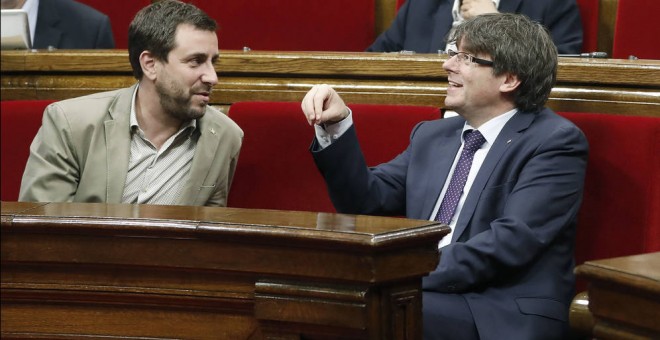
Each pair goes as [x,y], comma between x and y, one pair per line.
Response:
[584,85]
[71,269]
[624,296]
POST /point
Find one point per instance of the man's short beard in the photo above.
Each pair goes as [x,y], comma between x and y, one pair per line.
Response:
[178,106]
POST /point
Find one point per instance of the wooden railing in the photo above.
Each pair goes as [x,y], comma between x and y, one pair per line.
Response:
[142,271]
[587,85]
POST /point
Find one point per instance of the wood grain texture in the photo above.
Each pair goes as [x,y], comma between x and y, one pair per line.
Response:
[144,271]
[624,296]
[615,86]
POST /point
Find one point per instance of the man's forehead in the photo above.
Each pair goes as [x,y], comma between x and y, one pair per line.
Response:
[185,30]
[192,40]
[465,46]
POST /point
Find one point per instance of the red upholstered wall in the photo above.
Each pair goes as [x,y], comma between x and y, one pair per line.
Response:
[276,170]
[636,31]
[266,178]
[293,25]
[276,25]
[589,12]
[298,25]
[21,120]
[620,212]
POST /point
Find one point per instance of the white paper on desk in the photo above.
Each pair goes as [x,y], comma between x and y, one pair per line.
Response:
[15,30]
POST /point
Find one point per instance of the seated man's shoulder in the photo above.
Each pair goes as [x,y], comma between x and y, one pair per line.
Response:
[76,9]
[96,98]
[550,125]
[91,107]
[432,127]
[552,118]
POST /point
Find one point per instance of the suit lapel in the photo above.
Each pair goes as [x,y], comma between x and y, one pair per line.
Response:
[118,144]
[433,181]
[508,136]
[205,150]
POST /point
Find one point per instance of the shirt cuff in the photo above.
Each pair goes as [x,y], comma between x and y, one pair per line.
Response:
[326,134]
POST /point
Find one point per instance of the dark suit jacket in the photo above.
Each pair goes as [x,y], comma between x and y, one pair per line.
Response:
[422,25]
[67,24]
[512,255]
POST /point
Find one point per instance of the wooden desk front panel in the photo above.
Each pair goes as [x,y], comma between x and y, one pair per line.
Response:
[624,296]
[586,85]
[216,273]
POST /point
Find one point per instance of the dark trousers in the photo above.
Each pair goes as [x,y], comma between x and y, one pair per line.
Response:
[447,316]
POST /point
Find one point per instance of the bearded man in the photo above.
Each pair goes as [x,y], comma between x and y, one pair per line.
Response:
[156,142]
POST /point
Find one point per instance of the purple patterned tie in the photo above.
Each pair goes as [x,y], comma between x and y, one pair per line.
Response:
[473,141]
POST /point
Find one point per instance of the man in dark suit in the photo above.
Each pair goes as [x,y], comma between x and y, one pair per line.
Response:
[65,24]
[422,26]
[506,269]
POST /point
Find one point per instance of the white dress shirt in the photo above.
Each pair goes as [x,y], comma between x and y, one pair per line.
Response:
[490,130]
[158,176]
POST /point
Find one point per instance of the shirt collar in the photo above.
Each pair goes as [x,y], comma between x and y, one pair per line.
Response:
[491,129]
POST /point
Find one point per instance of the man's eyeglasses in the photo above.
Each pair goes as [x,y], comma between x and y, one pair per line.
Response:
[467,58]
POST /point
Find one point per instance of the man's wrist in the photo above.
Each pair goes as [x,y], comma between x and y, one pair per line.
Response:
[328,132]
[347,111]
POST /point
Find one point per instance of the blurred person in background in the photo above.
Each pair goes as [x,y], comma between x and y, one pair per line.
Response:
[64,24]
[422,26]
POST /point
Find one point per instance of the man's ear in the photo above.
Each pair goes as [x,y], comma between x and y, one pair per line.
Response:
[148,64]
[511,82]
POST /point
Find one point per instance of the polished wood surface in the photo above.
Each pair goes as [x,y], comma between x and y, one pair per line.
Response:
[144,271]
[624,296]
[584,85]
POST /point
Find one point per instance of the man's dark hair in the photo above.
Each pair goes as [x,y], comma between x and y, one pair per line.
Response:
[517,45]
[154,29]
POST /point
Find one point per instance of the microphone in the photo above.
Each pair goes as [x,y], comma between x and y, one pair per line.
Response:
[586,55]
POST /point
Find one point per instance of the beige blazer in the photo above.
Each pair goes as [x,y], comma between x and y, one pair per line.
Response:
[82,150]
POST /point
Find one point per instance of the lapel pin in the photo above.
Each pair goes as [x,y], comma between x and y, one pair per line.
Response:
[509,141]
[212,130]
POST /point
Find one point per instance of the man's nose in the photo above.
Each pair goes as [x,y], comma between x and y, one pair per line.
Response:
[450,64]
[210,76]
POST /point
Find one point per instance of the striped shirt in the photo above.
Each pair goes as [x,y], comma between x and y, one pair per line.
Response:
[158,176]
